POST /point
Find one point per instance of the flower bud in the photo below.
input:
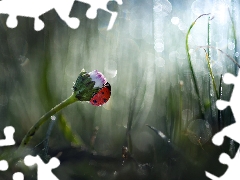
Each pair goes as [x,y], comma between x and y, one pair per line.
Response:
[87,84]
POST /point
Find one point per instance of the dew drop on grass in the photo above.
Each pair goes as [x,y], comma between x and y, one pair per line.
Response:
[199,131]
[53,118]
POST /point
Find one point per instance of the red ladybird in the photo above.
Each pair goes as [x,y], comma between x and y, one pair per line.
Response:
[102,96]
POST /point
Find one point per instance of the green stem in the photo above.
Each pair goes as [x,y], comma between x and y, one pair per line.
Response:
[191,67]
[211,74]
[46,117]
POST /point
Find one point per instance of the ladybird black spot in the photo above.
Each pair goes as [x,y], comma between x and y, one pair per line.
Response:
[105,100]
[95,101]
[102,92]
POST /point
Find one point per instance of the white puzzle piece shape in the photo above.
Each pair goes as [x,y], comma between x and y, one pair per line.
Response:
[44,171]
[36,8]
[3,165]
[232,131]
[8,132]
[100,4]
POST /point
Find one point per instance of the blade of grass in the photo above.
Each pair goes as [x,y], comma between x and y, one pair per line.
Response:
[211,74]
[46,142]
[233,60]
[234,37]
[191,67]
[220,112]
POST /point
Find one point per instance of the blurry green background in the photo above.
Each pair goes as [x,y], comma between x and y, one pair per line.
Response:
[144,59]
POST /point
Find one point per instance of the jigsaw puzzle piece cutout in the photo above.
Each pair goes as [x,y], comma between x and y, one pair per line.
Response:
[233,167]
[44,171]
[100,4]
[36,8]
[3,165]
[18,176]
[72,22]
[235,98]
[8,132]
[232,131]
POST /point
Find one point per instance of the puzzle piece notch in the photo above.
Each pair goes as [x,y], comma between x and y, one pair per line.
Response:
[231,131]
[233,167]
[8,132]
[235,98]
[3,165]
[36,8]
[100,4]
[44,170]
[18,176]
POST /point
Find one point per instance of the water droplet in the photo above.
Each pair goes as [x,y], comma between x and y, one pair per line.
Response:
[53,118]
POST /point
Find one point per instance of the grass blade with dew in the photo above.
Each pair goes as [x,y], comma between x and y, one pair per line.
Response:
[46,142]
[233,60]
[234,36]
[211,74]
[191,67]
[220,112]
[163,136]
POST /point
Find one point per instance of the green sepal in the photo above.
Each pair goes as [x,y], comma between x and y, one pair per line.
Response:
[84,87]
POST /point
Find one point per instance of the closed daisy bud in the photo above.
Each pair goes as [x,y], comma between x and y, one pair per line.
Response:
[88,84]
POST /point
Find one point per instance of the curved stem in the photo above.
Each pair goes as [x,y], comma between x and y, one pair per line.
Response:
[191,66]
[46,117]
